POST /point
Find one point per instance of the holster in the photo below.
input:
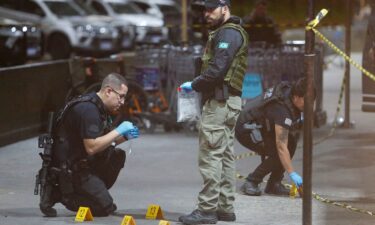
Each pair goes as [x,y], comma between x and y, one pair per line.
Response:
[221,92]
[65,179]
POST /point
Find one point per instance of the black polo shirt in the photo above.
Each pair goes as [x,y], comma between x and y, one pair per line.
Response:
[83,121]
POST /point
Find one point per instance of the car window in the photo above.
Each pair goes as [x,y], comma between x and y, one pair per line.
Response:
[86,8]
[168,9]
[143,6]
[62,9]
[99,8]
[125,8]
[31,7]
[10,4]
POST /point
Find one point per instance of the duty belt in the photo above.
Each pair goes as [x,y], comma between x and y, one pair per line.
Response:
[234,91]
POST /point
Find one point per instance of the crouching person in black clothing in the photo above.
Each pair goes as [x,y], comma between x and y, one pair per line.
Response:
[85,162]
[269,125]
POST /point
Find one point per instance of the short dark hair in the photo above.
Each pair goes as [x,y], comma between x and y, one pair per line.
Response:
[114,80]
[299,88]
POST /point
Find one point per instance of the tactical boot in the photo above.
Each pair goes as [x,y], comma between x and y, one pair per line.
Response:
[276,188]
[225,216]
[251,188]
[199,217]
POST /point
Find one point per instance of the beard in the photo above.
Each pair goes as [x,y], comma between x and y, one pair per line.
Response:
[213,24]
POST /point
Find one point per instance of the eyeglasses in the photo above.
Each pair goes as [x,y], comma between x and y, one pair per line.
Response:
[121,96]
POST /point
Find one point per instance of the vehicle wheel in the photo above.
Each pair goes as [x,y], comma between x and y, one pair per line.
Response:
[59,46]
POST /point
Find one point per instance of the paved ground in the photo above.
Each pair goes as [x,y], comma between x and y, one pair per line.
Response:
[162,169]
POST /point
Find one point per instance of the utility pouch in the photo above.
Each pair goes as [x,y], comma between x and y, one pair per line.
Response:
[221,93]
[255,133]
[65,180]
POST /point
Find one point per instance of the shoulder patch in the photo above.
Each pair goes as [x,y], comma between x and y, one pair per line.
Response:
[288,122]
[223,45]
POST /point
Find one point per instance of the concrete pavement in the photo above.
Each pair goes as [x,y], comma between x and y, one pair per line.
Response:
[162,169]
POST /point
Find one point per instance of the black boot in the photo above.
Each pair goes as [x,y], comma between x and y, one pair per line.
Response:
[251,188]
[225,216]
[276,188]
[199,217]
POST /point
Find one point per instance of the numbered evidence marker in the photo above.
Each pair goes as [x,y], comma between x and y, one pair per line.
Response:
[84,214]
[164,222]
[154,212]
[128,220]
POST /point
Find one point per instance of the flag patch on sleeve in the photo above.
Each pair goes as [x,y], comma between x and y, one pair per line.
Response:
[288,121]
[223,45]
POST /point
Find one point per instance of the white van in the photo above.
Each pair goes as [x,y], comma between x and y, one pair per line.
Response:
[149,29]
[65,28]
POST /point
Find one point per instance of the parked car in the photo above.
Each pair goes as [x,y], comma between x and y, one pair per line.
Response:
[65,28]
[19,42]
[167,10]
[159,8]
[126,29]
[149,29]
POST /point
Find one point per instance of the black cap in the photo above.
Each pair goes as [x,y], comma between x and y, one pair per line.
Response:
[212,4]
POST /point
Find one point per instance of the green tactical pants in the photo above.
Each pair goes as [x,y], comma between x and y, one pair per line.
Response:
[216,155]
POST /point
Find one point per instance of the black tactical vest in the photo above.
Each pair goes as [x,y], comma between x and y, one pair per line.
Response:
[281,94]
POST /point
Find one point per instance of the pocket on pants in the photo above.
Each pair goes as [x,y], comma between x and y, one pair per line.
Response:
[213,138]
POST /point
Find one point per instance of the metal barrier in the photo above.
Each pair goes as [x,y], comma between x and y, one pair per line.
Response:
[28,93]
[286,63]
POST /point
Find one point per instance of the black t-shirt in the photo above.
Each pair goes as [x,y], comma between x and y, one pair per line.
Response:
[279,114]
[83,121]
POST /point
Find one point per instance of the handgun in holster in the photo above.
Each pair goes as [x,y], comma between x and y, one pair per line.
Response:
[255,135]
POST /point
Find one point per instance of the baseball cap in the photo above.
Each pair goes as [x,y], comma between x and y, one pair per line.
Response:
[212,4]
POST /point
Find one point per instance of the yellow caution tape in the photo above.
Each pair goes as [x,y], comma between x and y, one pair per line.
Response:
[326,200]
[311,26]
[245,155]
[342,205]
[317,19]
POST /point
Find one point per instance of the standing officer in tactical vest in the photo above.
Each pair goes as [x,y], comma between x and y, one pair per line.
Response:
[85,162]
[220,82]
[269,125]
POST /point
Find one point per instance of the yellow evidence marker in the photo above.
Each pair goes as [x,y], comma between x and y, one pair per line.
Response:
[154,212]
[164,222]
[84,214]
[128,220]
[293,191]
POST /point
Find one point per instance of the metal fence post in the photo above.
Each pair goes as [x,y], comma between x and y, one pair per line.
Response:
[308,118]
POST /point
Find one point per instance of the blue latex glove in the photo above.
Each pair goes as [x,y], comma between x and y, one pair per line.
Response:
[125,128]
[186,86]
[134,133]
[296,178]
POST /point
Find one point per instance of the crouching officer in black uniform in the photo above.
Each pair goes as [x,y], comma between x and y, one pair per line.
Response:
[269,125]
[85,162]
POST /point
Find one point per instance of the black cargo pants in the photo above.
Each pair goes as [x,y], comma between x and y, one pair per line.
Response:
[271,163]
[91,185]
